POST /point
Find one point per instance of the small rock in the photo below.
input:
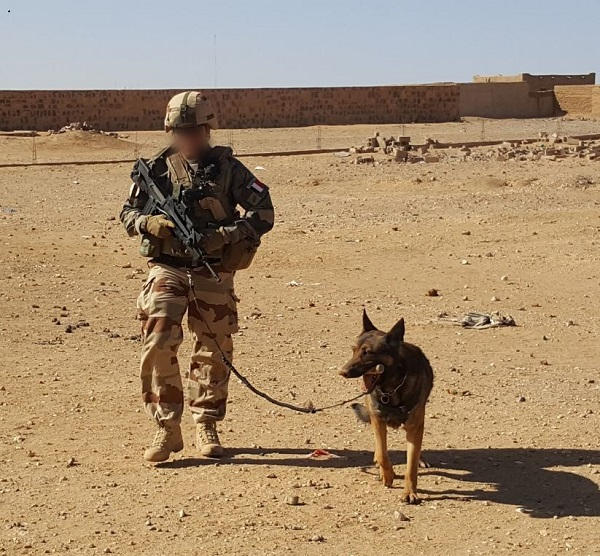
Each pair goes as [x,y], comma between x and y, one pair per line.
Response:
[433,293]
[293,500]
[402,517]
[317,538]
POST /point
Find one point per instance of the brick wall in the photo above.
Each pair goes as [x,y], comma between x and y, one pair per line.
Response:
[596,102]
[237,108]
[577,100]
[292,107]
[504,99]
[539,82]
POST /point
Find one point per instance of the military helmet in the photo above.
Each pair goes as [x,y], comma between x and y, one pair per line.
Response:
[190,109]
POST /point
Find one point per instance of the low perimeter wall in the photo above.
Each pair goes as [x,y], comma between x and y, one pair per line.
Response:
[294,107]
[236,108]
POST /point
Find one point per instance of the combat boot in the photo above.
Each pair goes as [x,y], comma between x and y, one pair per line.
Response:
[207,440]
[166,440]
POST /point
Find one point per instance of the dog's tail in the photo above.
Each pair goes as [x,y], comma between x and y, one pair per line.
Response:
[361,412]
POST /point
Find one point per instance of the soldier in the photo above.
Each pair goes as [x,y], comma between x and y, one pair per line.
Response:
[173,286]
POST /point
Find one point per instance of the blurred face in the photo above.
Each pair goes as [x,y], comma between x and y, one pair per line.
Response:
[192,142]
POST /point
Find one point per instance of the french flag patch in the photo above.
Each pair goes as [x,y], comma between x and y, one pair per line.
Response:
[257,186]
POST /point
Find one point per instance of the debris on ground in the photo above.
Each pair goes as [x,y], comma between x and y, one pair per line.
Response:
[81,126]
[480,321]
[552,147]
[319,454]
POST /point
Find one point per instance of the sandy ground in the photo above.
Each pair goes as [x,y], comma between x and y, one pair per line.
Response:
[512,424]
[76,146]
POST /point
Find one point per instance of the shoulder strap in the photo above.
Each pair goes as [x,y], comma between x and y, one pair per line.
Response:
[162,153]
[178,173]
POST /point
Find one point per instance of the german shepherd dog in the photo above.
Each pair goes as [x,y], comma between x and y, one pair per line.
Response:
[398,379]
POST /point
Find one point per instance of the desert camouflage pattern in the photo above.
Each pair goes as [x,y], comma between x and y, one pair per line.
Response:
[190,109]
[233,186]
[212,319]
[166,294]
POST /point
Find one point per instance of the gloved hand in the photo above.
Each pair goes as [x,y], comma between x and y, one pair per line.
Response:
[214,240]
[159,226]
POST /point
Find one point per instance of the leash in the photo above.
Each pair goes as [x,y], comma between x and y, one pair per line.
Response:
[309,408]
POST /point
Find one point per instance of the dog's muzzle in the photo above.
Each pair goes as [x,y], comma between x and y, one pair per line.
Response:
[355,372]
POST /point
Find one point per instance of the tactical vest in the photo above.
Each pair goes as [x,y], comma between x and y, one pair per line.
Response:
[213,209]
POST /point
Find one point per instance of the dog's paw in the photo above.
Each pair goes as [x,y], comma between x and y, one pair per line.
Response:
[410,497]
[387,476]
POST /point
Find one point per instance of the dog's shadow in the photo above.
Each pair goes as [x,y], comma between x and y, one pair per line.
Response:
[530,479]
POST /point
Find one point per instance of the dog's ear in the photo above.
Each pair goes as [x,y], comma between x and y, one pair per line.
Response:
[367,324]
[396,335]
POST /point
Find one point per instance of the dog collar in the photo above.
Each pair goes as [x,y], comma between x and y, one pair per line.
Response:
[371,378]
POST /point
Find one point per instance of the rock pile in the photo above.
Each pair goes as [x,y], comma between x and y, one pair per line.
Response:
[81,126]
[553,148]
[547,147]
[399,148]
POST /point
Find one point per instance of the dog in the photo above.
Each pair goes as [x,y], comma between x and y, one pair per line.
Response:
[398,380]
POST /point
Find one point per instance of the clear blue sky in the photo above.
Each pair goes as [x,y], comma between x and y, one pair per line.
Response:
[69,44]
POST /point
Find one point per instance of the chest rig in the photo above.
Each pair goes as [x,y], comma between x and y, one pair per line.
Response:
[202,190]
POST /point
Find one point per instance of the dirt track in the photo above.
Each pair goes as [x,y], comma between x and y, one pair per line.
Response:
[507,475]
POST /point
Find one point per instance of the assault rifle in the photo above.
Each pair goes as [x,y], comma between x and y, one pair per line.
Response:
[175,210]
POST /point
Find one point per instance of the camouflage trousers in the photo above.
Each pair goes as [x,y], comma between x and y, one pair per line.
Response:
[211,317]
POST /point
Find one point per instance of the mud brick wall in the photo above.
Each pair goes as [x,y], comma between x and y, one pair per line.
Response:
[236,108]
[596,102]
[504,99]
[539,82]
[548,82]
[581,100]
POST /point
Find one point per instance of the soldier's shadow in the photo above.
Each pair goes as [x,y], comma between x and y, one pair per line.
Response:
[531,479]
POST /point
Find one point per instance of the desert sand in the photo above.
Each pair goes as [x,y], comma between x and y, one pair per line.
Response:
[511,431]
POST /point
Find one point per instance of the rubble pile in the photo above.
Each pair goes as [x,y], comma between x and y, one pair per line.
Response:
[547,147]
[554,147]
[81,126]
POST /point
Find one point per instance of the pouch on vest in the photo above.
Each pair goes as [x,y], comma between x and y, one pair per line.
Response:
[150,246]
[239,255]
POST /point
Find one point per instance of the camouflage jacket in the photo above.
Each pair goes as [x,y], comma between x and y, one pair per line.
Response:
[231,185]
